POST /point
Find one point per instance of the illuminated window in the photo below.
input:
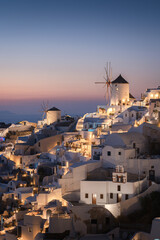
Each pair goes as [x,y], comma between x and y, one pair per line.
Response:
[86,195]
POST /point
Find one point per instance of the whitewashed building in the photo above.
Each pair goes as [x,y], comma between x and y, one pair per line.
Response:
[101,189]
[152,93]
[119,147]
[120,91]
[53,115]
[134,113]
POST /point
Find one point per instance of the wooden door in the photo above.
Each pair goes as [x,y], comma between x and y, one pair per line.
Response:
[94,198]
[119,197]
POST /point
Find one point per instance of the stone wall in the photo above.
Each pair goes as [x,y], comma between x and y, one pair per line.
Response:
[132,204]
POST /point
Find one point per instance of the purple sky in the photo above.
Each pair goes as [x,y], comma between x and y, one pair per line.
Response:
[56,50]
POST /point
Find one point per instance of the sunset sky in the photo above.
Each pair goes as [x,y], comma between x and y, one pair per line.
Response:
[57,49]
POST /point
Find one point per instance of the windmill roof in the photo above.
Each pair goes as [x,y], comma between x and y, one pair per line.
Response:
[53,109]
[131,96]
[119,79]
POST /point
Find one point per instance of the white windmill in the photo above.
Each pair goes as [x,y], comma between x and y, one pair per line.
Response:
[107,83]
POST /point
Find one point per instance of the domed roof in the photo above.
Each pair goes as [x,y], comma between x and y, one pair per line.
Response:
[53,109]
[119,79]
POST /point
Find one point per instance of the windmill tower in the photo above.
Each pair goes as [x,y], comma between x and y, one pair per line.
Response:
[107,82]
[50,115]
[120,91]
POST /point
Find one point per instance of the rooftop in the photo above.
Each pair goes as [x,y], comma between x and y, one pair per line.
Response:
[155,100]
[25,189]
[119,79]
[136,108]
[120,126]
[95,119]
[54,109]
[105,174]
[78,164]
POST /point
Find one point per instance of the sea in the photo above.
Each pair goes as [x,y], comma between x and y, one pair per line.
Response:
[10,117]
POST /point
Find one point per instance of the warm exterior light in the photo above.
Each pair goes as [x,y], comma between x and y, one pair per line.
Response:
[110,110]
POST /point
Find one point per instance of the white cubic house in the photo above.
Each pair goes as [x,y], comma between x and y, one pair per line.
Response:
[104,186]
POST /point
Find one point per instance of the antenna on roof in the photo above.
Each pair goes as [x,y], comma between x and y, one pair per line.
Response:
[107,83]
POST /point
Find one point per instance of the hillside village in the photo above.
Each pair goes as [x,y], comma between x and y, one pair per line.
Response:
[94,177]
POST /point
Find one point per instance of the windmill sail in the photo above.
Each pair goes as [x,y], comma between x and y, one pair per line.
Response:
[107,82]
[44,107]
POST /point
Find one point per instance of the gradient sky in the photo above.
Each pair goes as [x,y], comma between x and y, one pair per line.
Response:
[56,50]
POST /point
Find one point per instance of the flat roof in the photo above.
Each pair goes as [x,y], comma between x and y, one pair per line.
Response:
[105,174]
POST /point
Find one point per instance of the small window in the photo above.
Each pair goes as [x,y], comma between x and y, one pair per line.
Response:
[93,221]
[64,163]
[86,195]
[101,196]
[152,166]
[126,196]
[111,195]
[118,188]
[109,153]
[58,143]
[21,160]
[134,145]
[39,144]
[107,220]
[126,115]
[119,153]
[29,229]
